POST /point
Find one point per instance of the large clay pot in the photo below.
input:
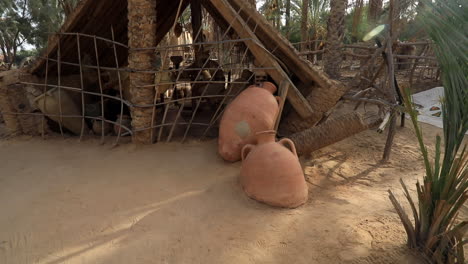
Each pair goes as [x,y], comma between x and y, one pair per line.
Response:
[51,106]
[271,172]
[254,109]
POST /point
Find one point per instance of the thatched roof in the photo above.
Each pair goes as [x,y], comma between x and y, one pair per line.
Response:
[98,17]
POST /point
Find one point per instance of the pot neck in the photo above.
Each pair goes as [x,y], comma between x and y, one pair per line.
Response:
[266,136]
[269,87]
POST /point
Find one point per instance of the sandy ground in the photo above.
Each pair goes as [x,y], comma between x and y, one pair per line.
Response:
[68,202]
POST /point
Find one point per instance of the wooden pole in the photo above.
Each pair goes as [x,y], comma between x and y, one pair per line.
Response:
[296,99]
[141,34]
[281,48]
[197,31]
[390,137]
[394,4]
[283,91]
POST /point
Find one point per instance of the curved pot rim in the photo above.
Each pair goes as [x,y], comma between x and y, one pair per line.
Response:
[266,132]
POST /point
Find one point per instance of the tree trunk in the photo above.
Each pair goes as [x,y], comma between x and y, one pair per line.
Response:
[357,17]
[278,15]
[375,9]
[141,34]
[304,20]
[197,30]
[68,9]
[332,131]
[335,34]
[67,6]
[288,18]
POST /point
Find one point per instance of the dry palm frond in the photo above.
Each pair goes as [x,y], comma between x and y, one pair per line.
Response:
[436,230]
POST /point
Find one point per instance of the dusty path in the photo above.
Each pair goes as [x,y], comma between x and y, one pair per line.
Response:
[69,202]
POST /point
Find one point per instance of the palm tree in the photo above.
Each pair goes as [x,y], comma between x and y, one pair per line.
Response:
[357,18]
[437,231]
[68,6]
[304,18]
[288,18]
[272,11]
[335,28]
[375,9]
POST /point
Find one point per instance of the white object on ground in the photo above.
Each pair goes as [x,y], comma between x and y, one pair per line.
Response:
[427,100]
[384,123]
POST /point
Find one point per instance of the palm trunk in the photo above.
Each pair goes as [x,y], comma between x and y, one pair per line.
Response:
[335,34]
[278,15]
[288,18]
[332,131]
[141,34]
[375,9]
[197,29]
[357,17]
[305,12]
[67,6]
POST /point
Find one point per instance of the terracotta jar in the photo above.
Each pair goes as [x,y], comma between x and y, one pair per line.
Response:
[271,172]
[254,109]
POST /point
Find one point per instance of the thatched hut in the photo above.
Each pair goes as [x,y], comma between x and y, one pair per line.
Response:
[126,39]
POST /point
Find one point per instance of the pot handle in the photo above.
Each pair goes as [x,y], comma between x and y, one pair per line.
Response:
[279,100]
[288,144]
[245,151]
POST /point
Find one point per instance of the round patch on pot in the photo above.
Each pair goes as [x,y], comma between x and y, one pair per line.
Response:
[242,129]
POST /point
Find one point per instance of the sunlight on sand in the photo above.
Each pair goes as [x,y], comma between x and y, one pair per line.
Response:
[104,245]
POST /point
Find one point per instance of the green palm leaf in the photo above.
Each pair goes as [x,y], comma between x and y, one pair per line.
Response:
[437,232]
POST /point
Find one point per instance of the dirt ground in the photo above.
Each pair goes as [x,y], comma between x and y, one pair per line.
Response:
[68,202]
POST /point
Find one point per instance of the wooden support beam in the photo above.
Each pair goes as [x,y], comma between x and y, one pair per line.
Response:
[280,46]
[141,34]
[167,18]
[197,30]
[283,91]
[296,99]
[83,7]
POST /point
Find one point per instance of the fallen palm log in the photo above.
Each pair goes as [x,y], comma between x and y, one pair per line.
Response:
[332,131]
[321,101]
